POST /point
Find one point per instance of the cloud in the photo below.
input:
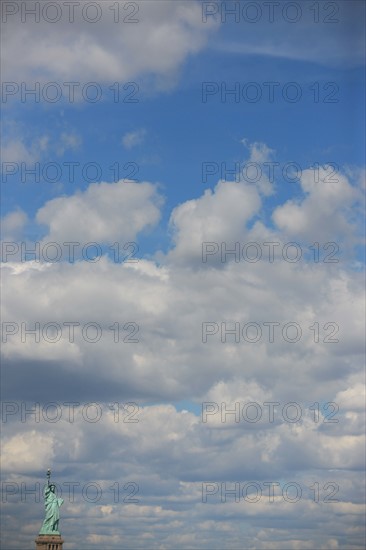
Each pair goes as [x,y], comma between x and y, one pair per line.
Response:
[12,224]
[68,141]
[353,398]
[218,215]
[27,452]
[104,212]
[224,213]
[331,37]
[19,147]
[16,151]
[171,302]
[328,207]
[131,139]
[166,459]
[260,156]
[163,35]
[169,453]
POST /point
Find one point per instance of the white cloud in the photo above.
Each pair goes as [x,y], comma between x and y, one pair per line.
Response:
[353,398]
[16,151]
[326,209]
[165,34]
[13,224]
[20,148]
[260,154]
[131,139]
[16,148]
[224,213]
[27,451]
[103,213]
[219,215]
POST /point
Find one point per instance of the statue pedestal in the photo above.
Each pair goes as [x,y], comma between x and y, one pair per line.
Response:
[49,542]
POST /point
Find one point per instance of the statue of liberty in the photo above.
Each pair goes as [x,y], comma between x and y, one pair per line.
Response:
[52,507]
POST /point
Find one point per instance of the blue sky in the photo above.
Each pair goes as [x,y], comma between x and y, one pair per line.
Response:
[183,157]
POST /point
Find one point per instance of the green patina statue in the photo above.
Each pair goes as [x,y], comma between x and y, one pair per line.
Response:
[52,506]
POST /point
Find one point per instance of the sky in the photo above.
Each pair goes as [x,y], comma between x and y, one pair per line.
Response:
[183,273]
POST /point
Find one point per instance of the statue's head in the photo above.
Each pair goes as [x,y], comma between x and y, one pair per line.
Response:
[52,487]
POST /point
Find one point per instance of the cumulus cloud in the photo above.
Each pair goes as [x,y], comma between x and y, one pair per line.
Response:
[104,212]
[224,213]
[219,215]
[327,207]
